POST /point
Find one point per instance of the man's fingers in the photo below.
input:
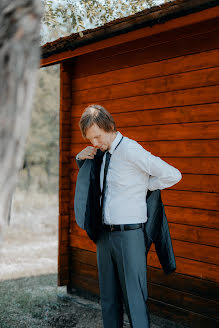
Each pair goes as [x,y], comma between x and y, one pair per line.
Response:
[91,150]
[88,152]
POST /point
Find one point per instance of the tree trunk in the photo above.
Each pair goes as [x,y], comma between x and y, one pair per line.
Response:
[19,62]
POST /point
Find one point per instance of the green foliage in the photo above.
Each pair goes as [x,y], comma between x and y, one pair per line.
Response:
[67,16]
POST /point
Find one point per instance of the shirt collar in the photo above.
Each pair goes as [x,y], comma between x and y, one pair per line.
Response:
[115,142]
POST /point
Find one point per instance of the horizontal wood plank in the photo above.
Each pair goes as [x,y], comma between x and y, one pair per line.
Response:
[198,182]
[190,97]
[160,68]
[193,217]
[199,235]
[84,256]
[188,80]
[83,269]
[185,114]
[186,317]
[198,165]
[82,243]
[152,40]
[197,252]
[196,286]
[190,199]
[84,283]
[194,130]
[189,267]
[145,51]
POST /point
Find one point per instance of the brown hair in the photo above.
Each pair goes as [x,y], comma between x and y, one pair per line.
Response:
[96,114]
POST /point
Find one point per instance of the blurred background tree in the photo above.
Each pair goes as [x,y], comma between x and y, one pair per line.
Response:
[40,167]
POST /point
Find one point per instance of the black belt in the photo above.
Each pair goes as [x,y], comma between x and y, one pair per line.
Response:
[121,227]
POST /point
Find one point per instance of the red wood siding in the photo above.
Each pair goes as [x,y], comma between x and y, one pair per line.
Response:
[64,171]
[163,91]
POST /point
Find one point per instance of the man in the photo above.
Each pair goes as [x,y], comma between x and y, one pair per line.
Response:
[127,172]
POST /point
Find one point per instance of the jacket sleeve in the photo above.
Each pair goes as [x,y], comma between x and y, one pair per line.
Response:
[157,231]
[163,244]
[79,162]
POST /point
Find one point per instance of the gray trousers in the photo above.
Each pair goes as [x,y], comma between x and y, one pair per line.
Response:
[121,258]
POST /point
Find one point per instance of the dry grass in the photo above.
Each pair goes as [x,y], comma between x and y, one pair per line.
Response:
[33,303]
[31,239]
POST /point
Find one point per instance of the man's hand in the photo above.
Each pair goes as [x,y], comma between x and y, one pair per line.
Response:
[87,153]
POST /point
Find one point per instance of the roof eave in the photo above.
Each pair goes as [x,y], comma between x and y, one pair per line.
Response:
[149,17]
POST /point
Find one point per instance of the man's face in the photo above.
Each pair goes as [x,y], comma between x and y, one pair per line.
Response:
[99,138]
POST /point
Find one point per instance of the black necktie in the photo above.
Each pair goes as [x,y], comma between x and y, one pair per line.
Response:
[108,155]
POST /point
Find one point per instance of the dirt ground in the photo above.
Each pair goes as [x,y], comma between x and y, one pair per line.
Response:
[29,296]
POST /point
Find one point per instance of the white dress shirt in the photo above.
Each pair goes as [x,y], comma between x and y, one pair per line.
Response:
[132,171]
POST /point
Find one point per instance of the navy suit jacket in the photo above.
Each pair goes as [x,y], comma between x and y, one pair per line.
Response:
[88,213]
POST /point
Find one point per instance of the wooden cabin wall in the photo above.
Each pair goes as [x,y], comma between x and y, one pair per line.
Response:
[64,173]
[163,92]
